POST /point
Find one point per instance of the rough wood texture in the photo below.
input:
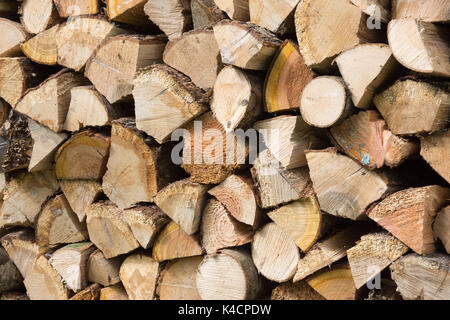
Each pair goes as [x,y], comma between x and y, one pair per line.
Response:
[80,194]
[366,138]
[374,253]
[10,278]
[245,45]
[42,47]
[172,243]
[165,100]
[220,230]
[236,99]
[420,46]
[228,275]
[14,34]
[139,274]
[68,8]
[344,187]
[425,10]
[115,292]
[129,12]
[441,226]
[205,14]
[287,138]
[115,62]
[83,156]
[173,17]
[38,15]
[295,291]
[286,78]
[178,280]
[103,271]
[183,202]
[434,149]
[408,215]
[58,224]
[91,292]
[423,278]
[108,230]
[235,9]
[274,15]
[275,254]
[48,103]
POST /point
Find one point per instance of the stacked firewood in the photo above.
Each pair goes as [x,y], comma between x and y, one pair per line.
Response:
[225,149]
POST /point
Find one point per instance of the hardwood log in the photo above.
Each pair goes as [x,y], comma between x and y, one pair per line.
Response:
[295,291]
[69,8]
[425,10]
[42,47]
[38,15]
[205,14]
[235,9]
[80,194]
[441,226]
[274,15]
[114,292]
[129,12]
[103,271]
[434,149]
[91,292]
[15,34]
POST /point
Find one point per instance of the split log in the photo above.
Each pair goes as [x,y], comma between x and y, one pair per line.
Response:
[374,253]
[220,230]
[197,55]
[30,190]
[183,202]
[48,103]
[287,77]
[274,15]
[103,271]
[58,224]
[335,283]
[145,223]
[14,34]
[237,98]
[295,291]
[325,101]
[425,10]
[275,254]
[78,37]
[434,149]
[329,250]
[173,243]
[287,138]
[83,156]
[178,280]
[173,17]
[237,195]
[235,9]
[38,15]
[45,145]
[441,226]
[344,187]
[129,12]
[68,8]
[80,194]
[420,46]
[424,278]
[44,283]
[10,278]
[116,61]
[108,230]
[301,221]
[318,25]
[210,154]
[365,68]
[228,275]
[409,214]
[366,138]
[380,9]
[42,47]
[277,185]
[245,45]
[205,14]
[91,292]
[139,274]
[137,167]
[71,264]
[115,292]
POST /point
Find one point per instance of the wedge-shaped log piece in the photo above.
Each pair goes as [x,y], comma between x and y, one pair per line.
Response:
[173,243]
[365,68]
[114,64]
[80,194]
[286,78]
[108,230]
[245,45]
[228,275]
[58,224]
[42,47]
[425,10]
[422,277]
[344,187]
[68,8]
[197,55]
[38,15]
[441,226]
[114,292]
[78,37]
[183,202]
[83,156]
[295,291]
[130,12]
[165,100]
[420,46]
[91,292]
[374,253]
[14,34]
[10,278]
[274,15]
[409,214]
[275,254]
[205,14]
[103,271]
[235,9]
[287,138]
[366,138]
[434,149]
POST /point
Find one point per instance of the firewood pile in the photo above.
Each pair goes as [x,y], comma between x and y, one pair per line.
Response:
[225,149]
